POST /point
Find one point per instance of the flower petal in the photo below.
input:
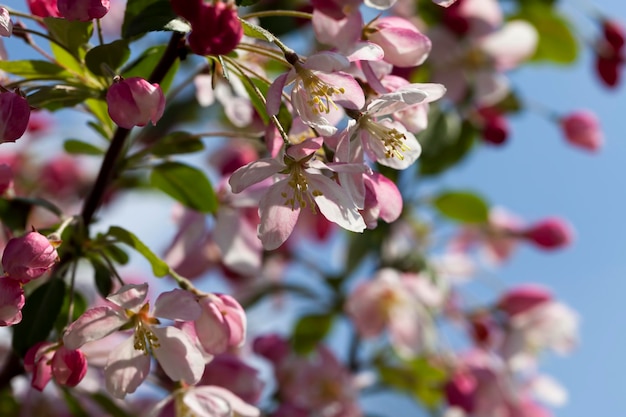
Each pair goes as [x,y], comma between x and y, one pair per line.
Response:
[126,369]
[130,296]
[177,355]
[93,324]
[277,218]
[177,305]
[253,173]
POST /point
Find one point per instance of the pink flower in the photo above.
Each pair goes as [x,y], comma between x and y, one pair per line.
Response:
[403,43]
[28,257]
[215,30]
[582,129]
[304,185]
[135,102]
[398,303]
[83,10]
[319,86]
[129,364]
[14,115]
[222,323]
[11,302]
[549,234]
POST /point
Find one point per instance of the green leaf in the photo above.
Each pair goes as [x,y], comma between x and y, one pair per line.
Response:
[462,206]
[256,31]
[102,277]
[80,305]
[557,43]
[78,147]
[14,213]
[72,34]
[108,405]
[59,96]
[117,254]
[67,60]
[159,267]
[144,16]
[185,184]
[112,55]
[309,331]
[35,69]
[39,315]
[445,142]
[177,143]
[145,63]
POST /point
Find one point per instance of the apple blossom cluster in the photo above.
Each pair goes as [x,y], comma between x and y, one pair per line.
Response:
[309,138]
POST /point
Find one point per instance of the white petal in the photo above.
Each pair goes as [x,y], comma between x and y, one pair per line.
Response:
[335,204]
[130,296]
[514,43]
[380,4]
[177,355]
[277,219]
[253,173]
[126,369]
[207,397]
[93,324]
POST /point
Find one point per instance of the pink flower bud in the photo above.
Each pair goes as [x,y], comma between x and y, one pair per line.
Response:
[216,30]
[14,115]
[614,34]
[495,128]
[582,129]
[83,10]
[69,366]
[28,257]
[222,323]
[37,360]
[551,233]
[272,347]
[43,8]
[135,102]
[403,43]
[523,298]
[460,391]
[11,302]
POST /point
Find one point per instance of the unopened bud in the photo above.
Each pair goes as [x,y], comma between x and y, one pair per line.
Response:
[523,298]
[582,129]
[551,233]
[28,257]
[14,115]
[83,10]
[135,102]
[69,366]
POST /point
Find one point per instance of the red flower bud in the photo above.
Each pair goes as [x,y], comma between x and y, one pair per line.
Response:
[614,34]
[83,10]
[460,390]
[552,233]
[69,366]
[37,360]
[216,30]
[44,8]
[28,257]
[495,128]
[135,102]
[523,298]
[14,115]
[582,129]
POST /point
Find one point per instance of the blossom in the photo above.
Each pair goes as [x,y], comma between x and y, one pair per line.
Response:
[28,257]
[386,141]
[319,87]
[135,102]
[83,10]
[128,364]
[551,233]
[582,129]
[43,8]
[304,185]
